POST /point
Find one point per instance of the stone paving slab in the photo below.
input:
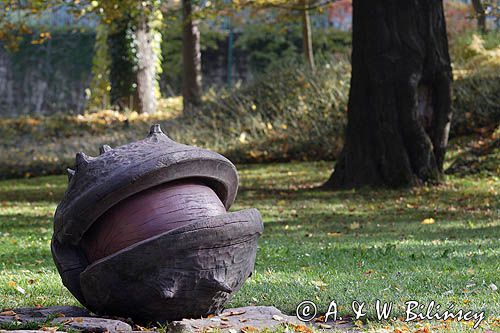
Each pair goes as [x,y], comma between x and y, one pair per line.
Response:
[25,315]
[29,331]
[252,319]
[93,324]
[235,320]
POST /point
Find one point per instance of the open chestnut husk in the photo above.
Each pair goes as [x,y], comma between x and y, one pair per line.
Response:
[143,231]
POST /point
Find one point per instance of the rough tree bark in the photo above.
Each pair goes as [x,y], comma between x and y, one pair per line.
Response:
[146,67]
[307,35]
[191,57]
[399,101]
[480,15]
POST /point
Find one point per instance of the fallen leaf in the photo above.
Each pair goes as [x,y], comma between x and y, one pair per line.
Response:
[224,319]
[140,328]
[428,221]
[233,313]
[21,290]
[319,319]
[243,320]
[301,328]
[249,329]
[49,329]
[277,318]
[11,284]
[8,313]
[354,226]
[334,234]
[319,284]
[325,326]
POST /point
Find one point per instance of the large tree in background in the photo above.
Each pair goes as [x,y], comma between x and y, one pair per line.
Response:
[191,57]
[399,100]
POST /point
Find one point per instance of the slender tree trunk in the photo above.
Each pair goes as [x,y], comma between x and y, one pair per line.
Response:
[480,15]
[191,56]
[307,35]
[146,68]
[399,101]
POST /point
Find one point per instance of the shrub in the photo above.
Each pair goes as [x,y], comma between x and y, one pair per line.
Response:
[476,101]
[287,113]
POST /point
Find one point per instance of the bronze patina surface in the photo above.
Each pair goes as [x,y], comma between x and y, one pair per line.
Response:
[143,231]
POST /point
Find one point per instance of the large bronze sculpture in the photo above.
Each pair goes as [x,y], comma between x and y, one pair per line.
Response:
[143,231]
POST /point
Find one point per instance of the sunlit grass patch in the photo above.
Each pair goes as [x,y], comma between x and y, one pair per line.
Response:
[317,245]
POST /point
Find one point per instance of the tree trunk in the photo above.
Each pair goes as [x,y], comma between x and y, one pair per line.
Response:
[146,68]
[480,15]
[191,57]
[307,35]
[399,101]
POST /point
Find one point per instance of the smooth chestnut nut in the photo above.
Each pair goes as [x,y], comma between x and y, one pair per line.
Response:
[148,214]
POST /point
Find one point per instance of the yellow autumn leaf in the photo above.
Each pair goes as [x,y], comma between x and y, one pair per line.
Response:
[11,284]
[249,329]
[428,221]
[354,225]
[319,284]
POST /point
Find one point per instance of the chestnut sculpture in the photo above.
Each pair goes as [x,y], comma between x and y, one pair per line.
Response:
[143,231]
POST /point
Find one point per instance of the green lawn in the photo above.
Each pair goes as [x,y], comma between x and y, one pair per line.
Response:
[317,245]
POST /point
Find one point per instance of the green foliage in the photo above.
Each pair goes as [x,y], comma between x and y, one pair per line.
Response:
[287,113]
[98,91]
[476,102]
[171,50]
[264,46]
[66,49]
[123,66]
[465,46]
[269,44]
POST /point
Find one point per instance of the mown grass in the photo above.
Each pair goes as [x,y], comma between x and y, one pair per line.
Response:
[317,245]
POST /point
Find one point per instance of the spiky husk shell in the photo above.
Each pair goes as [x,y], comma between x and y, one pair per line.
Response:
[188,271]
